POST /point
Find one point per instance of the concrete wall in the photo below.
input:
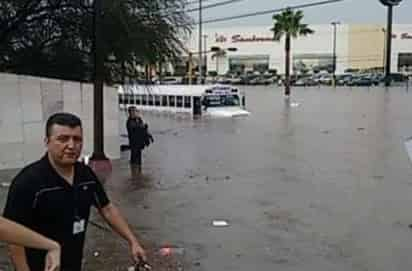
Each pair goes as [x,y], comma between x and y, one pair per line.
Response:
[26,103]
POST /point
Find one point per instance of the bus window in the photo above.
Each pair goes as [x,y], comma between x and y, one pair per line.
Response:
[129,98]
[164,100]
[231,100]
[179,101]
[221,100]
[171,100]
[150,100]
[187,101]
[144,99]
[157,100]
[138,99]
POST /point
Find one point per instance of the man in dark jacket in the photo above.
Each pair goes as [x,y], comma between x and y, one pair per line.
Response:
[138,135]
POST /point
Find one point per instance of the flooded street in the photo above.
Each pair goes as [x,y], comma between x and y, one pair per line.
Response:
[321,183]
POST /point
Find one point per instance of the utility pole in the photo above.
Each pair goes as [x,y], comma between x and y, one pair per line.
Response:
[100,164]
[200,43]
[334,24]
[384,50]
[390,4]
[388,47]
[189,72]
[98,151]
[205,51]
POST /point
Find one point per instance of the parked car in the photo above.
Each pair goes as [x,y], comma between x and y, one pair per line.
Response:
[305,82]
[360,81]
[325,79]
[398,78]
[270,78]
[344,79]
[223,80]
[259,80]
[171,81]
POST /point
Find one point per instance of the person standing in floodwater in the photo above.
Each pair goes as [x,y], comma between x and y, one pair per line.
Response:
[139,137]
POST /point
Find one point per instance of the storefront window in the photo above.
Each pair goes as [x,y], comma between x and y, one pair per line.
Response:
[405,62]
[241,64]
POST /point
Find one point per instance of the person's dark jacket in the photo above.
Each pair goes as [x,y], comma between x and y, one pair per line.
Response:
[148,138]
[136,133]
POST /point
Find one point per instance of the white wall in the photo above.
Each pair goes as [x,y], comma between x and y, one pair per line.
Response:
[320,42]
[26,103]
[399,44]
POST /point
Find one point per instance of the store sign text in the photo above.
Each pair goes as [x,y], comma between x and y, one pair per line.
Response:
[403,36]
[239,38]
[406,36]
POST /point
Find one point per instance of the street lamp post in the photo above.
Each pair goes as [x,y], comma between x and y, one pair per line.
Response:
[98,161]
[390,4]
[334,24]
[384,49]
[200,43]
[388,47]
[189,72]
[205,53]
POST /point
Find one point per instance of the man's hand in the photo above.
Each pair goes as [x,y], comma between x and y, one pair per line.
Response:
[137,252]
[52,262]
[112,215]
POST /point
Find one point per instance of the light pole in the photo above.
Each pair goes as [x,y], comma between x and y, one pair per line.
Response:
[389,4]
[189,72]
[98,161]
[388,47]
[200,43]
[384,49]
[334,24]
[205,53]
[98,152]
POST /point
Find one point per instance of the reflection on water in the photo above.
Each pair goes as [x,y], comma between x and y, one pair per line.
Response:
[324,184]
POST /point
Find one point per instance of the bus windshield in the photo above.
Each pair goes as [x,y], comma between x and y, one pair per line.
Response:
[221,100]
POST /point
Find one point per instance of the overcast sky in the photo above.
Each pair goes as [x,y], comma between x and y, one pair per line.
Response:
[348,11]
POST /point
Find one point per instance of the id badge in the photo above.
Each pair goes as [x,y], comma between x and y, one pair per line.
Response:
[78,226]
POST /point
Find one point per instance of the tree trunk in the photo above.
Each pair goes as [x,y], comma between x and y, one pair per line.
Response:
[190,68]
[160,71]
[147,68]
[217,65]
[287,65]
[123,72]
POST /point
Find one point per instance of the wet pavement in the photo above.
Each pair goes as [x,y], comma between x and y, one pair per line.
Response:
[320,183]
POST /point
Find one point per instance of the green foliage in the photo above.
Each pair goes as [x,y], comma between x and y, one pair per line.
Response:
[54,38]
[289,23]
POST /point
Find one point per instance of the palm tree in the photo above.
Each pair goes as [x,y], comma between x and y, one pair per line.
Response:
[289,24]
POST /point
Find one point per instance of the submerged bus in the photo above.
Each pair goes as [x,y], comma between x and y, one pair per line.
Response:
[209,100]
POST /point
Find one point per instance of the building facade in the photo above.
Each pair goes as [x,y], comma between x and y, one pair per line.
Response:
[358,47]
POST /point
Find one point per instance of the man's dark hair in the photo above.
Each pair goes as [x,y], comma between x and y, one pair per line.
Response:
[64,119]
[131,108]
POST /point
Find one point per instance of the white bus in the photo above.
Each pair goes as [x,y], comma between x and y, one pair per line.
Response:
[210,100]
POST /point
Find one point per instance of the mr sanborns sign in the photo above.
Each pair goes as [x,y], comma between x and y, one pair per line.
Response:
[241,38]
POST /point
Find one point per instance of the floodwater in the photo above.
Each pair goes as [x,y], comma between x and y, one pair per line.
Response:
[322,182]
